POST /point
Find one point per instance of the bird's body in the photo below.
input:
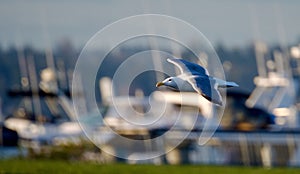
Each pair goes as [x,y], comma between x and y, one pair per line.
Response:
[195,78]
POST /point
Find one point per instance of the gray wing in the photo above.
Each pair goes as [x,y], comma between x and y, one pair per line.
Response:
[207,87]
[188,67]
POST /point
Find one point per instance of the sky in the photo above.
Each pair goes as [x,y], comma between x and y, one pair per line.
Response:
[234,23]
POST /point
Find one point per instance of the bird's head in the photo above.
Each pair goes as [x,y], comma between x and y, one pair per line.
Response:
[170,82]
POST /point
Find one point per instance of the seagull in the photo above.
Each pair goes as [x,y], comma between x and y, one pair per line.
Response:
[195,78]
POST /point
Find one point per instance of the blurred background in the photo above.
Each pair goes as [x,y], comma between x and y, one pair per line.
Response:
[258,43]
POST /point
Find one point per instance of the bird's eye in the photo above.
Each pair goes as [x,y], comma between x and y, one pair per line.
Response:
[170,80]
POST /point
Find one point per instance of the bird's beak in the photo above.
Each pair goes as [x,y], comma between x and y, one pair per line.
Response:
[158,84]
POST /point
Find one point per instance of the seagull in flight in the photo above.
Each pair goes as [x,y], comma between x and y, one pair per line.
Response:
[195,78]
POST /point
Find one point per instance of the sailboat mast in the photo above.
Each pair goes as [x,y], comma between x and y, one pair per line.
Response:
[37,109]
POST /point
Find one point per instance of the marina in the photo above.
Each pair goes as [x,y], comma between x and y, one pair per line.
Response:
[151,88]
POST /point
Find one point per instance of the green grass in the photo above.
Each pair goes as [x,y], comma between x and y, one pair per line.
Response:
[51,166]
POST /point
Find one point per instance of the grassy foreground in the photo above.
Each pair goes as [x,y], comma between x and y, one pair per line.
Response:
[51,166]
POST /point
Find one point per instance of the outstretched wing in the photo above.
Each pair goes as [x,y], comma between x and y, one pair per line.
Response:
[207,87]
[188,67]
[199,79]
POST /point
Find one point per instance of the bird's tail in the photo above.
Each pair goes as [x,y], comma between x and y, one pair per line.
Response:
[230,84]
[225,84]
